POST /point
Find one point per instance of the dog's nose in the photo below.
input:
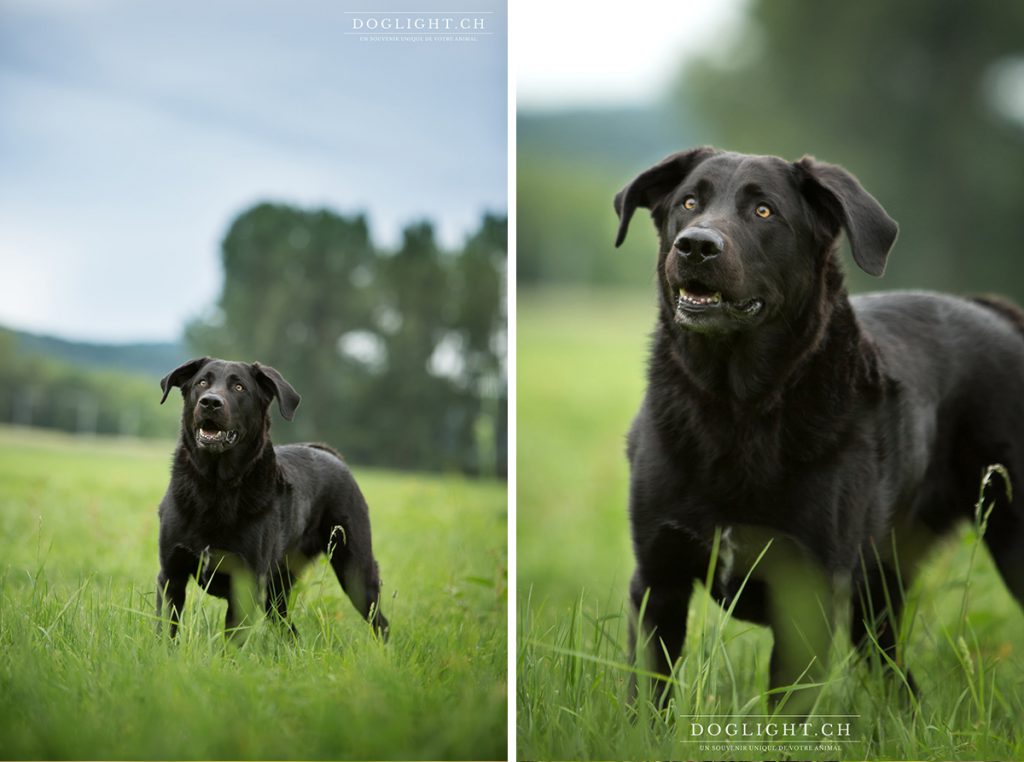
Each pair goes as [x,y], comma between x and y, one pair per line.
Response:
[211,402]
[699,244]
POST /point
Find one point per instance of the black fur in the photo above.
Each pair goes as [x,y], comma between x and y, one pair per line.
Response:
[849,432]
[238,508]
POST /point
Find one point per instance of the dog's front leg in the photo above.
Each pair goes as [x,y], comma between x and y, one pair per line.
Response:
[244,602]
[171,588]
[669,560]
[800,608]
[657,629]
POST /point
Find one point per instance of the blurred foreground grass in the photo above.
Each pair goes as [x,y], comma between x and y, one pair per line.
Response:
[581,364]
[82,675]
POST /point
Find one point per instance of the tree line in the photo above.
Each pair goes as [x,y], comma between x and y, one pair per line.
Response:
[41,391]
[399,355]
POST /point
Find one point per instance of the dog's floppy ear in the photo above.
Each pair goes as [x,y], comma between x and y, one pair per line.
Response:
[274,383]
[180,375]
[652,185]
[871,231]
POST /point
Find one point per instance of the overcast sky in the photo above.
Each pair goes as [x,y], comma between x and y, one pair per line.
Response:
[585,54]
[133,131]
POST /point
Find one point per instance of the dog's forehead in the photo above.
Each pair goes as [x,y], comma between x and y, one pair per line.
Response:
[729,169]
[226,369]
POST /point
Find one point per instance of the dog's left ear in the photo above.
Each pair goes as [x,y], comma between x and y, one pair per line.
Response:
[274,383]
[180,375]
[871,231]
[652,185]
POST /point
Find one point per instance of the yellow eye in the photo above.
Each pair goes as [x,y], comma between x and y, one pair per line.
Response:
[202,383]
[239,388]
[690,202]
[763,211]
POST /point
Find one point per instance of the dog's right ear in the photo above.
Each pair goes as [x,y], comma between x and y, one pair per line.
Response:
[180,375]
[652,185]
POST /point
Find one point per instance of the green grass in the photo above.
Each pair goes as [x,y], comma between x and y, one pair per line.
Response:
[580,377]
[83,676]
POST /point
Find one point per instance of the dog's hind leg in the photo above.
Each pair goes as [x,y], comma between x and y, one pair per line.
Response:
[1007,549]
[352,559]
[360,579]
[1004,536]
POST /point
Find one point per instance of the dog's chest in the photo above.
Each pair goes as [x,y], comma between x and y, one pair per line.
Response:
[734,455]
[747,551]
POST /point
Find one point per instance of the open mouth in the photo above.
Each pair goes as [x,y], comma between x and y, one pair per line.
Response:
[208,435]
[696,297]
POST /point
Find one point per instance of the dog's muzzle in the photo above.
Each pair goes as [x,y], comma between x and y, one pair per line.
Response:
[212,431]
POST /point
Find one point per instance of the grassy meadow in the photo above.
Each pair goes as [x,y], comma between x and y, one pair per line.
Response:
[581,362]
[83,676]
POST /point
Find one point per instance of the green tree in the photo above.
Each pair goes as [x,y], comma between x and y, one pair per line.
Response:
[398,356]
[412,404]
[295,282]
[480,323]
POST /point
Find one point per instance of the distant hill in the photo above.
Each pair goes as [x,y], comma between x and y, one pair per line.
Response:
[148,358]
[619,139]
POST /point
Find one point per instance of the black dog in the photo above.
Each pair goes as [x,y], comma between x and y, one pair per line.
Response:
[847,432]
[243,516]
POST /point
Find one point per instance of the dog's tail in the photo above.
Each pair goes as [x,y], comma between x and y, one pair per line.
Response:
[1003,307]
[326,448]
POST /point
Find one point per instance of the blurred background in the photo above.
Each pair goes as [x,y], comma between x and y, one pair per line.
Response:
[923,101]
[258,182]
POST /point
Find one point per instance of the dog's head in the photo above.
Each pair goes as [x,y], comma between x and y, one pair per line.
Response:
[744,239]
[227,403]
